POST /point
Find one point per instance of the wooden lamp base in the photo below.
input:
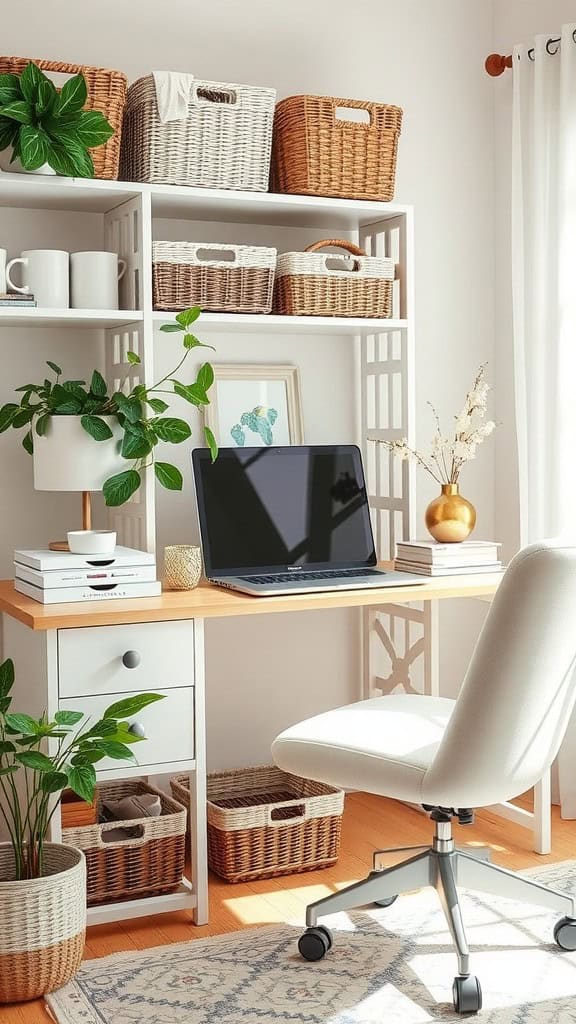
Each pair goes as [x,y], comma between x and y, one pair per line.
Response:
[62,545]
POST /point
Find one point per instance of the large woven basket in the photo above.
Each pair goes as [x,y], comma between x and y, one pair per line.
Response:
[263,822]
[317,152]
[224,142]
[106,93]
[312,283]
[220,278]
[43,924]
[148,862]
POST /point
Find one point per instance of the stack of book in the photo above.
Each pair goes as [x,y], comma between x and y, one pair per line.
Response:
[17,299]
[429,558]
[55,577]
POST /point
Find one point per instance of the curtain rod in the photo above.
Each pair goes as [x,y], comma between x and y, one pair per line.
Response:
[496,63]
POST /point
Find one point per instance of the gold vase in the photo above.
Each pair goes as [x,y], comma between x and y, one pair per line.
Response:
[450,518]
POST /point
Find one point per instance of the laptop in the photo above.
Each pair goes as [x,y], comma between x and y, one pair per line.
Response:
[289,520]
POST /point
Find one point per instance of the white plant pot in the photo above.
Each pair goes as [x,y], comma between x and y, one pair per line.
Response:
[66,458]
[17,168]
[42,938]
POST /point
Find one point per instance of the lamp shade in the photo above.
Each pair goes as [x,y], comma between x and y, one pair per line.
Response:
[67,458]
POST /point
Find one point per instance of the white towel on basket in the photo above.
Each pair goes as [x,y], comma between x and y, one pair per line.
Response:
[173,90]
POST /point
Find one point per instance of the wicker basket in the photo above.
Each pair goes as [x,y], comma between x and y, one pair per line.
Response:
[311,283]
[219,278]
[317,153]
[43,924]
[149,862]
[263,822]
[106,93]
[224,142]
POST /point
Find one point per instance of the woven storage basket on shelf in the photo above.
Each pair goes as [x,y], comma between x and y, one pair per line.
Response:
[264,822]
[220,278]
[315,152]
[43,924]
[309,284]
[224,142]
[106,93]
[149,862]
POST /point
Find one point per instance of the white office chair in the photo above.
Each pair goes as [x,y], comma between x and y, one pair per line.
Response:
[488,746]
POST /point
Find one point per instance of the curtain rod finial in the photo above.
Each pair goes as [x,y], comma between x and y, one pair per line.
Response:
[497,63]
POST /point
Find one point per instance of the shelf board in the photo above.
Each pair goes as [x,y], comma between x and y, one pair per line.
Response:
[51,192]
[262,323]
[40,317]
[183,899]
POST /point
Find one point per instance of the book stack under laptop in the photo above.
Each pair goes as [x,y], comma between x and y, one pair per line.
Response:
[433,559]
[55,577]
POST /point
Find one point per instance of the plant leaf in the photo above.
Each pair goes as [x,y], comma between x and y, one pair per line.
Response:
[34,759]
[98,385]
[30,80]
[53,782]
[212,443]
[42,424]
[6,747]
[168,476]
[97,428]
[68,717]
[119,488]
[171,328]
[82,780]
[99,729]
[93,129]
[54,366]
[47,97]
[17,110]
[135,445]
[8,132]
[171,429]
[7,413]
[205,378]
[91,756]
[133,358]
[28,443]
[130,706]
[72,96]
[9,88]
[24,724]
[184,390]
[188,316]
[9,769]
[130,407]
[6,677]
[22,417]
[157,404]
[33,147]
[116,750]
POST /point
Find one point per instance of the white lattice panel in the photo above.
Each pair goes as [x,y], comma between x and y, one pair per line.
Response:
[123,234]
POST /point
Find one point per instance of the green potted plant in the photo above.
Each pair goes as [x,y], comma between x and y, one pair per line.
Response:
[71,423]
[42,884]
[46,129]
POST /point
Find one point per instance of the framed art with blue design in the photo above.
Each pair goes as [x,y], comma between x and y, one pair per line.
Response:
[253,405]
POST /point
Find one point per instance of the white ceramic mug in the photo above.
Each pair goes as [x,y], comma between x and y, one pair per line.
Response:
[45,274]
[94,278]
[3,255]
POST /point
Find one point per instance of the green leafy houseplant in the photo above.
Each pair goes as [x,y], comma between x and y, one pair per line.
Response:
[47,126]
[141,432]
[78,746]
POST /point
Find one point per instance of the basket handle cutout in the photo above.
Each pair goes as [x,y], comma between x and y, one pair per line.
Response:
[135,834]
[339,243]
[223,255]
[353,115]
[342,263]
[286,812]
[228,96]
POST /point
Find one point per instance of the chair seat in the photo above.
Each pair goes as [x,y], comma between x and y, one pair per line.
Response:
[384,745]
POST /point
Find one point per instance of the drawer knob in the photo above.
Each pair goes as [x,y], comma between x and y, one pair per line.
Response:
[131,659]
[137,729]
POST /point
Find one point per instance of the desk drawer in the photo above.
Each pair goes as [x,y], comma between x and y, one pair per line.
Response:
[168,725]
[118,659]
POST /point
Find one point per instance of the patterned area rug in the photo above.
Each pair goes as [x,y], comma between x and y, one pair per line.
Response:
[391,966]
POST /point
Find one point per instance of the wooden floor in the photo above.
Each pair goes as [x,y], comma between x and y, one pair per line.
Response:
[369,822]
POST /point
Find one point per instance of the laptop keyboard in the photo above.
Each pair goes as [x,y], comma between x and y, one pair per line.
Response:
[291,577]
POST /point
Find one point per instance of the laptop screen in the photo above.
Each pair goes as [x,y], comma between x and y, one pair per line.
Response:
[266,509]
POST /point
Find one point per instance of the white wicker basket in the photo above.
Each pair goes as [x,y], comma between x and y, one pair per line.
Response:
[224,142]
[219,278]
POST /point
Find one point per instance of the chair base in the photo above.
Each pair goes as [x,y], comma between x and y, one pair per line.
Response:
[444,867]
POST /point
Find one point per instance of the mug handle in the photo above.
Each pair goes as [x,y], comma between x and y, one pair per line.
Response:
[24,261]
[122,270]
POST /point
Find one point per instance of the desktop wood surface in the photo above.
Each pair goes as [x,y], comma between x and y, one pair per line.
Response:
[209,602]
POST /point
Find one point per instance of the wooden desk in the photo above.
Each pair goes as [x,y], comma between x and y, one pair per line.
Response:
[72,656]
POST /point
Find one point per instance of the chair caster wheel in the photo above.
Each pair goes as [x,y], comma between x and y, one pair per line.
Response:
[385,903]
[467,994]
[565,933]
[315,943]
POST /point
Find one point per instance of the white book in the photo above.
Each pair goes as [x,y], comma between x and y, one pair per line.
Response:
[469,552]
[46,561]
[441,570]
[63,595]
[93,576]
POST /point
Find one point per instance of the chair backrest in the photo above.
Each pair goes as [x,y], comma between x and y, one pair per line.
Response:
[520,687]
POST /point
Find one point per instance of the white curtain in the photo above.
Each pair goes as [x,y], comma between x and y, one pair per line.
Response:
[544,302]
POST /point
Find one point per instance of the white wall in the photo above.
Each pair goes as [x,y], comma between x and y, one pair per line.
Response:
[428,59]
[515,21]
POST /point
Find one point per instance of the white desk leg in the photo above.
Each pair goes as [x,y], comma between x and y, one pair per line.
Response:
[198,835]
[543,815]
[431,649]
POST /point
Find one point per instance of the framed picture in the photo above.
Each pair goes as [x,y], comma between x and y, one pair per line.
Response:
[254,405]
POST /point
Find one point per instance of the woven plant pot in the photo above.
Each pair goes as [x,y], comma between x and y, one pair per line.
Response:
[43,924]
